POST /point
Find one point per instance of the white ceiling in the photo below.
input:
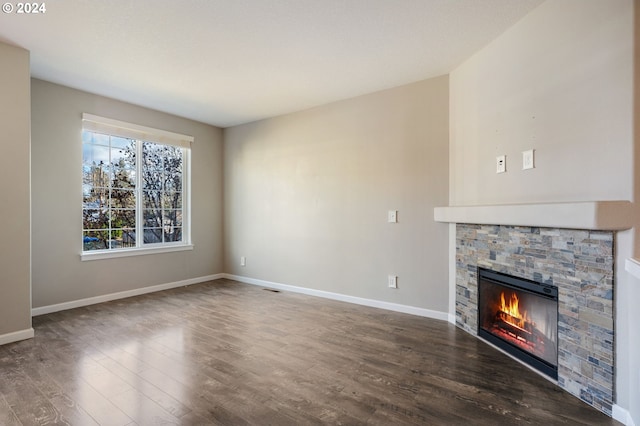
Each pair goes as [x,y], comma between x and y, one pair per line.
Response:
[226,62]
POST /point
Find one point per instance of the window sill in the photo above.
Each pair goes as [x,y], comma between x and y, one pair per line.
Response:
[98,255]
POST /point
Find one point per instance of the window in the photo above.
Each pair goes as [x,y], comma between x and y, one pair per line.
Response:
[135,187]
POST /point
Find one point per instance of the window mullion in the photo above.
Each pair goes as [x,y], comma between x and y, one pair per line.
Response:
[109,204]
[186,196]
[139,186]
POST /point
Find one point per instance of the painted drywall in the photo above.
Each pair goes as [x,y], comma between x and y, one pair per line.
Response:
[558,82]
[561,82]
[15,266]
[307,196]
[58,273]
[633,285]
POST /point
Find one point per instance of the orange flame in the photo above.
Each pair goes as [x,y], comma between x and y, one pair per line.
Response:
[513,310]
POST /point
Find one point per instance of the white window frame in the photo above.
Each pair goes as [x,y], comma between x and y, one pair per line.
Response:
[140,133]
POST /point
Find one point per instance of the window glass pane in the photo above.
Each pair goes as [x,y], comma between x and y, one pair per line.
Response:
[96,156]
[170,225]
[173,236]
[123,218]
[128,237]
[95,218]
[152,235]
[125,150]
[122,238]
[172,200]
[87,174]
[172,218]
[95,198]
[94,177]
[173,162]
[152,179]
[120,161]
[86,191]
[122,199]
[151,200]
[122,143]
[95,240]
[123,178]
[173,182]
[94,138]
[152,156]
[152,218]
[162,195]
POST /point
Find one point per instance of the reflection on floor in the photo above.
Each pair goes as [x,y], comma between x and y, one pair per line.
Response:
[229,353]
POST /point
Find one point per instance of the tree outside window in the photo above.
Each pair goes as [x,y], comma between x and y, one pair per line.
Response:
[124,198]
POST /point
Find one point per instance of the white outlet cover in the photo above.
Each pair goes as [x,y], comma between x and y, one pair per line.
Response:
[501,163]
[393,281]
[527,160]
[392,216]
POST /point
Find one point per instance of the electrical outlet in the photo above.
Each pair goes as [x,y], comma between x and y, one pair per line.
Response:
[501,164]
[527,160]
[243,261]
[392,216]
[393,281]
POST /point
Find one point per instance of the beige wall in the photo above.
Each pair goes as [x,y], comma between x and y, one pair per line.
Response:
[15,266]
[307,195]
[561,82]
[633,294]
[58,274]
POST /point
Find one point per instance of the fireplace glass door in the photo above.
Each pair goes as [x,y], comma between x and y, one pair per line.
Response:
[520,317]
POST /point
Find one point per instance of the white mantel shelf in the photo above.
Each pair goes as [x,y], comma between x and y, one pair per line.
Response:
[595,215]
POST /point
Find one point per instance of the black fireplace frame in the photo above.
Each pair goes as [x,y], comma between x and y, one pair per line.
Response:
[521,284]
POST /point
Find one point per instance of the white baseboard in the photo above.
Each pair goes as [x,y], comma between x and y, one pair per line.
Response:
[623,416]
[452,318]
[42,310]
[344,298]
[120,295]
[16,336]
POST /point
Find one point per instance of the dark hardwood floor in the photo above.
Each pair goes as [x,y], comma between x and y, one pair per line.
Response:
[232,354]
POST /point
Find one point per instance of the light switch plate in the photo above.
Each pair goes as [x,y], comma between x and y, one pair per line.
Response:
[501,164]
[392,216]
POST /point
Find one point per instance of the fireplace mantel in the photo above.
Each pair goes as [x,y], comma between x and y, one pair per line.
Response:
[593,215]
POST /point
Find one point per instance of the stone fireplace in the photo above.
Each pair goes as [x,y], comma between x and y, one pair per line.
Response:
[576,257]
[580,264]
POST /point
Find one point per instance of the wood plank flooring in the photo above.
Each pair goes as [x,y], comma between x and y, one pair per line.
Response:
[225,353]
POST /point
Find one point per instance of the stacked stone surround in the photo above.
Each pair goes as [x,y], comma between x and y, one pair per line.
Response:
[580,264]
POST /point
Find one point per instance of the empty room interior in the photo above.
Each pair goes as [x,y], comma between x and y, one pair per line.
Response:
[330,212]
